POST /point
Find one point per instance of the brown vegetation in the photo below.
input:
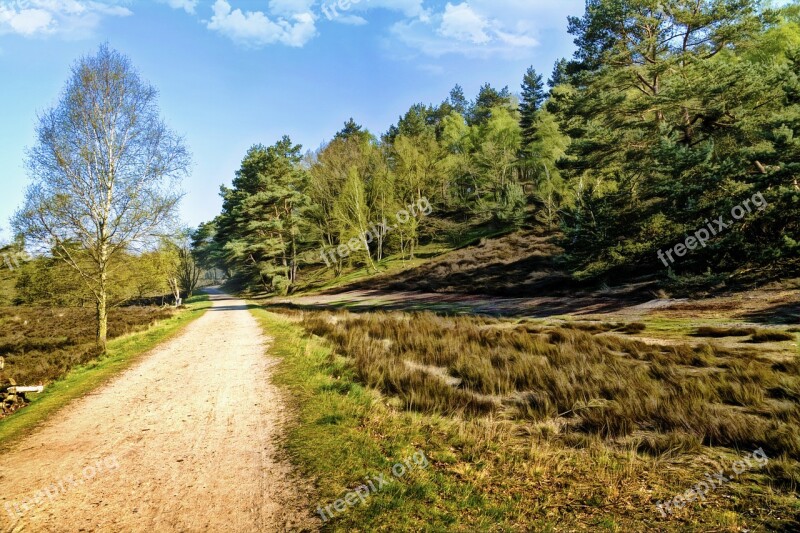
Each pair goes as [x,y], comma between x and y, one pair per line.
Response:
[605,327]
[718,333]
[42,344]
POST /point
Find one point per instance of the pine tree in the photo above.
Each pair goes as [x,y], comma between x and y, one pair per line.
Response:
[660,125]
[260,224]
[488,98]
[533,95]
[560,74]
[459,101]
[351,129]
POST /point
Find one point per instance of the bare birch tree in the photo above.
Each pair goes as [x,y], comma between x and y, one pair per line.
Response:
[105,172]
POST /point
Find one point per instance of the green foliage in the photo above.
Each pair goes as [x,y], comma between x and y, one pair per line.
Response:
[47,281]
[177,263]
[677,113]
[458,101]
[560,74]
[105,174]
[511,204]
[283,211]
[351,130]
[207,252]
[495,161]
[669,115]
[349,169]
[488,100]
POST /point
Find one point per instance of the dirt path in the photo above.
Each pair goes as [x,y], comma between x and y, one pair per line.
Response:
[769,305]
[540,307]
[183,441]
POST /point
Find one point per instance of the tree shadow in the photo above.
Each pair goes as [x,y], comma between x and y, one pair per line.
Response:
[785,313]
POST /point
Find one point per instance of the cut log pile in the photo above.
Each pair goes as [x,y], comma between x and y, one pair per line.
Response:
[12,396]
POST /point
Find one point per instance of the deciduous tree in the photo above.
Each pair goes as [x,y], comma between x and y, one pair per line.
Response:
[105,171]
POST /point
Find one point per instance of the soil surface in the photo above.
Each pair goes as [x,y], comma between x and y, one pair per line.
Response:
[186,440]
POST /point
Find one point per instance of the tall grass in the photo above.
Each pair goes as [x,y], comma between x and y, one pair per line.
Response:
[40,344]
[383,385]
[601,384]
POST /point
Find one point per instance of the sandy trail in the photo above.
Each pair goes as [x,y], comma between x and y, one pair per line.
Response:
[183,441]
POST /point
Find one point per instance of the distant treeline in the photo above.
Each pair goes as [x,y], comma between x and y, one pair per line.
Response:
[669,115]
[156,276]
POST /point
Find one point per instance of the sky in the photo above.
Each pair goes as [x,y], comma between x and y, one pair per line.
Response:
[233,73]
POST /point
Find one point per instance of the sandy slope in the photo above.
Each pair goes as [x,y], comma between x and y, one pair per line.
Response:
[183,441]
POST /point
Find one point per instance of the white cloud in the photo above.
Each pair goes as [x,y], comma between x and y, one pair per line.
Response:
[409,8]
[255,28]
[517,41]
[466,27]
[187,5]
[335,12]
[463,24]
[25,21]
[485,27]
[290,7]
[66,18]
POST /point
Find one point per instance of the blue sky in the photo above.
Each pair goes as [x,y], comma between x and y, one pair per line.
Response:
[232,73]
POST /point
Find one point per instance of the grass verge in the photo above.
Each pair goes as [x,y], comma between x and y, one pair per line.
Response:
[337,441]
[122,353]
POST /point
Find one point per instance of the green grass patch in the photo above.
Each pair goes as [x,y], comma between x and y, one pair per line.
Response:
[322,278]
[122,353]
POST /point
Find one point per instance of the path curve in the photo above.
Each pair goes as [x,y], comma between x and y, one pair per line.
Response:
[183,441]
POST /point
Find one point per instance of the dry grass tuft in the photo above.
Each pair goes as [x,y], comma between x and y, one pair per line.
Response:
[718,333]
[606,327]
[771,335]
[576,431]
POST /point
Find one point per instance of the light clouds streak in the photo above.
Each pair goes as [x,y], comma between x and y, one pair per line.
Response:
[64,18]
[432,28]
